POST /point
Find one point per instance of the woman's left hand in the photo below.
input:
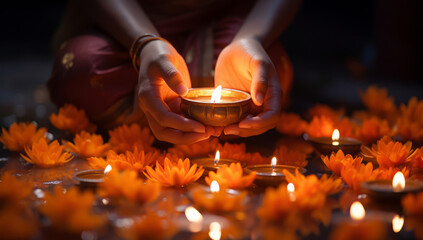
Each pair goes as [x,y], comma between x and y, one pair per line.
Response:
[245,65]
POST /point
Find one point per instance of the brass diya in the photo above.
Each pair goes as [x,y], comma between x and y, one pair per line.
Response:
[266,175]
[90,178]
[325,145]
[233,106]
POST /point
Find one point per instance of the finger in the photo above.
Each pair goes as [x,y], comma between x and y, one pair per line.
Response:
[260,71]
[152,104]
[243,132]
[173,135]
[267,119]
[172,77]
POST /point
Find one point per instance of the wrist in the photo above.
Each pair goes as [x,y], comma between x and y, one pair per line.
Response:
[138,45]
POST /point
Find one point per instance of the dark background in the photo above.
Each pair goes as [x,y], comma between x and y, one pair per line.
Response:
[337,48]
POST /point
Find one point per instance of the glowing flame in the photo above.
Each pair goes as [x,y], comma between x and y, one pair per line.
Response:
[273,163]
[291,190]
[290,187]
[215,231]
[215,98]
[335,137]
[397,223]
[398,182]
[193,215]
[108,169]
[217,157]
[357,211]
[214,186]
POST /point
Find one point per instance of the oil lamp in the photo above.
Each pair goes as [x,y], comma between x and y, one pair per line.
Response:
[326,145]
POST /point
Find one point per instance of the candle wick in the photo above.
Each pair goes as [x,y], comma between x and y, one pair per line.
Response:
[215,161]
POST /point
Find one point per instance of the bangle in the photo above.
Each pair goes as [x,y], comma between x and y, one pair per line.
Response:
[138,44]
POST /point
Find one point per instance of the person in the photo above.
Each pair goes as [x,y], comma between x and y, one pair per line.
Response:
[182,44]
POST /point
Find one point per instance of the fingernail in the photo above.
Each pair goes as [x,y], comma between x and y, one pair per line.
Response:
[259,98]
[200,129]
[181,89]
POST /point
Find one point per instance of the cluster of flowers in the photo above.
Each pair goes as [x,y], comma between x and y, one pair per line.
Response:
[381,118]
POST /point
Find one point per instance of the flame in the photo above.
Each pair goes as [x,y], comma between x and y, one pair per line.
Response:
[108,169]
[215,98]
[217,157]
[357,211]
[273,163]
[193,215]
[291,190]
[398,182]
[215,231]
[290,187]
[397,223]
[335,137]
[214,186]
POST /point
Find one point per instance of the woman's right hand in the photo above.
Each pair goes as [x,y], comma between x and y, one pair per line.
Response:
[163,77]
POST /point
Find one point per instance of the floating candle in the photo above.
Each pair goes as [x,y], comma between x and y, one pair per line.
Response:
[271,174]
[326,145]
[210,164]
[90,178]
[216,107]
[391,190]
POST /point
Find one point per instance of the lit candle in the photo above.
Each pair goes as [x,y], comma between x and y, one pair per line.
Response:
[326,145]
[391,189]
[210,164]
[90,178]
[216,107]
[271,174]
[357,211]
[397,223]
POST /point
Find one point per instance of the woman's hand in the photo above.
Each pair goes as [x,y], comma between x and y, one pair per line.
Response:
[163,76]
[245,65]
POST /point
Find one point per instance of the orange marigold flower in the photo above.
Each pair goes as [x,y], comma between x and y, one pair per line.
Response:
[320,126]
[21,135]
[304,184]
[289,157]
[372,129]
[377,100]
[238,152]
[345,127]
[278,205]
[231,176]
[133,160]
[174,174]
[410,123]
[87,145]
[324,110]
[71,119]
[291,124]
[70,210]
[355,175]
[124,138]
[413,204]
[127,185]
[389,173]
[389,153]
[13,190]
[45,154]
[337,161]
[198,149]
[417,160]
[149,226]
[368,229]
[220,201]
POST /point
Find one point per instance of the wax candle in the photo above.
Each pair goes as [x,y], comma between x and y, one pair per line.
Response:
[326,145]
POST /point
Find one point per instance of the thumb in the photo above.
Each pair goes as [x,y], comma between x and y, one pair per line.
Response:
[260,72]
[172,77]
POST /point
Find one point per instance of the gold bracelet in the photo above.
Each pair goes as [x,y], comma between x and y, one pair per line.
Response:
[137,46]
